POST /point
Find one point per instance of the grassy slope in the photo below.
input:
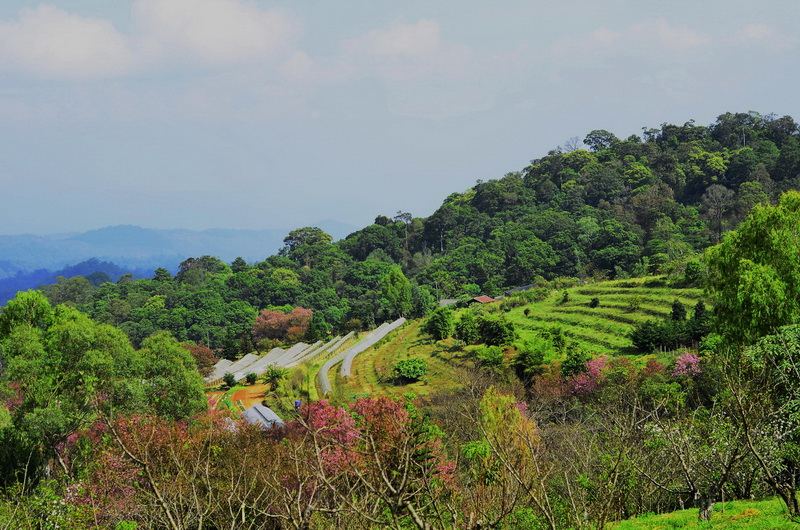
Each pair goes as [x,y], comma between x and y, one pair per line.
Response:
[737,515]
[603,329]
[372,369]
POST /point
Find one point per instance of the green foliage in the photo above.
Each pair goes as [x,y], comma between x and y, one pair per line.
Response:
[251,378]
[410,369]
[440,324]
[635,302]
[397,291]
[229,380]
[753,275]
[575,363]
[678,312]
[466,329]
[491,356]
[532,354]
[494,330]
[594,302]
[174,389]
[274,375]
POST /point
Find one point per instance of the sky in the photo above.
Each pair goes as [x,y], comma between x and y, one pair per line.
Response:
[258,114]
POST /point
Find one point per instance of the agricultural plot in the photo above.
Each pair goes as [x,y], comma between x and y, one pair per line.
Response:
[372,371]
[347,356]
[605,328]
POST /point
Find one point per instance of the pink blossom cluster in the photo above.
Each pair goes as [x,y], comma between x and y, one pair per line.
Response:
[687,365]
[587,382]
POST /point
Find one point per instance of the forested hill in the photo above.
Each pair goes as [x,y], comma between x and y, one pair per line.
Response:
[617,207]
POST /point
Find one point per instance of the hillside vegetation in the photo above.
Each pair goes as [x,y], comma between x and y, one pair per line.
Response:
[637,370]
[642,205]
[606,328]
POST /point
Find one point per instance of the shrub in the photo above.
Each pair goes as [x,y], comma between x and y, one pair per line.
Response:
[565,297]
[274,375]
[575,363]
[594,302]
[495,331]
[229,380]
[467,328]
[410,369]
[440,324]
[251,378]
[490,356]
[634,302]
[530,357]
[687,365]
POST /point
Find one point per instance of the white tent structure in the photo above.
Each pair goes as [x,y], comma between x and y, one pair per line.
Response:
[260,415]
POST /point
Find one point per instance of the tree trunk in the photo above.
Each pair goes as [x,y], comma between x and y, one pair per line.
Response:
[705,504]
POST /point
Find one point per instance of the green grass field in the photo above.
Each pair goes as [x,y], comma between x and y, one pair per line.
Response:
[765,514]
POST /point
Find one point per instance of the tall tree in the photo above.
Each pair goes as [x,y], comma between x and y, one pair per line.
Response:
[753,275]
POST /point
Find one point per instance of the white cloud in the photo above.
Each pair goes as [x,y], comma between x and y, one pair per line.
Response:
[53,43]
[666,36]
[755,32]
[214,31]
[410,40]
[762,35]
[405,51]
[654,37]
[299,66]
[50,42]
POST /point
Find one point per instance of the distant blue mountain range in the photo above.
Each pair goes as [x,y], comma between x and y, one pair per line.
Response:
[28,261]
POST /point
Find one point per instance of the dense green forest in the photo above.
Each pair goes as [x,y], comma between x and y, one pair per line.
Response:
[642,205]
[105,423]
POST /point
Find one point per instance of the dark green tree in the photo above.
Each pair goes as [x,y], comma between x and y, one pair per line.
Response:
[439,324]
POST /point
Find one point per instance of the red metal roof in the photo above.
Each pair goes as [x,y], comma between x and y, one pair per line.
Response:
[484,299]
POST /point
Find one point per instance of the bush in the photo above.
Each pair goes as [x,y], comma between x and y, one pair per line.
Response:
[648,336]
[575,363]
[440,324]
[495,331]
[530,357]
[410,369]
[565,297]
[634,302]
[595,302]
[251,378]
[229,380]
[490,356]
[467,328]
[274,375]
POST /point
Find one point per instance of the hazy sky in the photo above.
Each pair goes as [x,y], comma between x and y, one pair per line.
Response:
[259,114]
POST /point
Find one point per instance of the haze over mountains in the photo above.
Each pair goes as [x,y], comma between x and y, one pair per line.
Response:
[27,261]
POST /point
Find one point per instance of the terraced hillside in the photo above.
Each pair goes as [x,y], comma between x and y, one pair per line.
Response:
[605,328]
[601,329]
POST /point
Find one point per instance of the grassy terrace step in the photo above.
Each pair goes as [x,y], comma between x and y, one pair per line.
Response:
[602,325]
[608,342]
[599,290]
[606,312]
